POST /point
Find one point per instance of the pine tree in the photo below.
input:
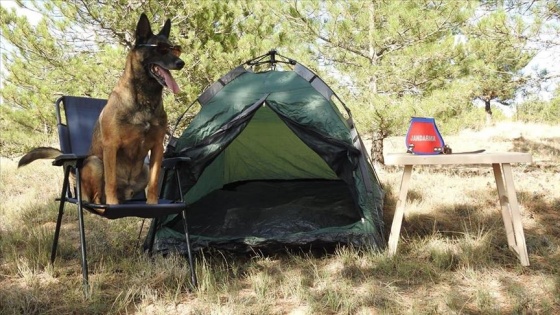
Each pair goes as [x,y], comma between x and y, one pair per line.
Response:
[414,58]
[79,48]
[389,53]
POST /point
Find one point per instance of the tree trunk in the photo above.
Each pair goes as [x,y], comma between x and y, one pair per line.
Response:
[488,110]
[377,147]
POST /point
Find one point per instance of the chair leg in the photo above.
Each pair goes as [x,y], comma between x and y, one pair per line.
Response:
[57,230]
[60,213]
[152,233]
[154,223]
[189,252]
[186,228]
[85,280]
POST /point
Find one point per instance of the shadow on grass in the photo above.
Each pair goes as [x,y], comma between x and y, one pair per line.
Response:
[457,219]
[41,298]
[33,286]
[451,221]
[454,225]
[18,299]
[379,277]
[543,237]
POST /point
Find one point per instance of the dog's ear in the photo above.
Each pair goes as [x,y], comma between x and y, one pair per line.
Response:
[143,29]
[166,29]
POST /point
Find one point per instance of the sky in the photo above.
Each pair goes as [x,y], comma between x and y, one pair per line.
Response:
[549,59]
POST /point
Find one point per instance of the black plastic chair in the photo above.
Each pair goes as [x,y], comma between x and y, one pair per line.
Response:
[76,118]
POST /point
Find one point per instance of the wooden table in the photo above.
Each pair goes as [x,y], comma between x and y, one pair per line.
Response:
[501,164]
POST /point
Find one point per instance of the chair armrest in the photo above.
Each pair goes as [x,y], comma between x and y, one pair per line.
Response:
[171,163]
[72,159]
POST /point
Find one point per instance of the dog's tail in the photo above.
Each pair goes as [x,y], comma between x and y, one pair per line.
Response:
[39,153]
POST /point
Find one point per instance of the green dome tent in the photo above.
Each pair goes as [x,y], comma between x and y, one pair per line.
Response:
[273,164]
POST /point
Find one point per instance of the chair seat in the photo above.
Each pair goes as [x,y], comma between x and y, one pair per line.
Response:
[134,208]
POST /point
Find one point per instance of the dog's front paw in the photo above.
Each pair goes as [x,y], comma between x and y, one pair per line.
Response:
[151,201]
[112,201]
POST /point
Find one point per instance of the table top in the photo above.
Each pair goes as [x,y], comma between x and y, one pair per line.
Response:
[458,158]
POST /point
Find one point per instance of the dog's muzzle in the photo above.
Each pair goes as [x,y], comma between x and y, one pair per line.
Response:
[164,77]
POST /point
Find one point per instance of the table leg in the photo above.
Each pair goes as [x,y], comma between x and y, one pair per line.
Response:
[516,216]
[399,211]
[502,195]
[510,211]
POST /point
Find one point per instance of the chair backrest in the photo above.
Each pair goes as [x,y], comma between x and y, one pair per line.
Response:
[76,118]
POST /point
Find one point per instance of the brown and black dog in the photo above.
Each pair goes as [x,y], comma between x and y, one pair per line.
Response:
[132,123]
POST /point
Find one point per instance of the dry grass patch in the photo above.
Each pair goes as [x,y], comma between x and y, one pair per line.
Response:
[452,259]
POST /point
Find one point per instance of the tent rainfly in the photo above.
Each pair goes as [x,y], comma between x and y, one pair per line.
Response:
[274,165]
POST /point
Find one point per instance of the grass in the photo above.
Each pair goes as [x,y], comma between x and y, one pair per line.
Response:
[452,258]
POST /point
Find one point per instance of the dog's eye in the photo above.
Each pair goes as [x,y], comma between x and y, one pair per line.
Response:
[175,50]
[164,48]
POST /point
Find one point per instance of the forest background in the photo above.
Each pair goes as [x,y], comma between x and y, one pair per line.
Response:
[388,60]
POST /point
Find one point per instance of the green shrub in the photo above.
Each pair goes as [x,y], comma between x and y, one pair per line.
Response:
[539,111]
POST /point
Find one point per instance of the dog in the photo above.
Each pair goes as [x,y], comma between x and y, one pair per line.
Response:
[132,123]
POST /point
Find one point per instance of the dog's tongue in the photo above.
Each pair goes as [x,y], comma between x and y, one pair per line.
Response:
[169,81]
